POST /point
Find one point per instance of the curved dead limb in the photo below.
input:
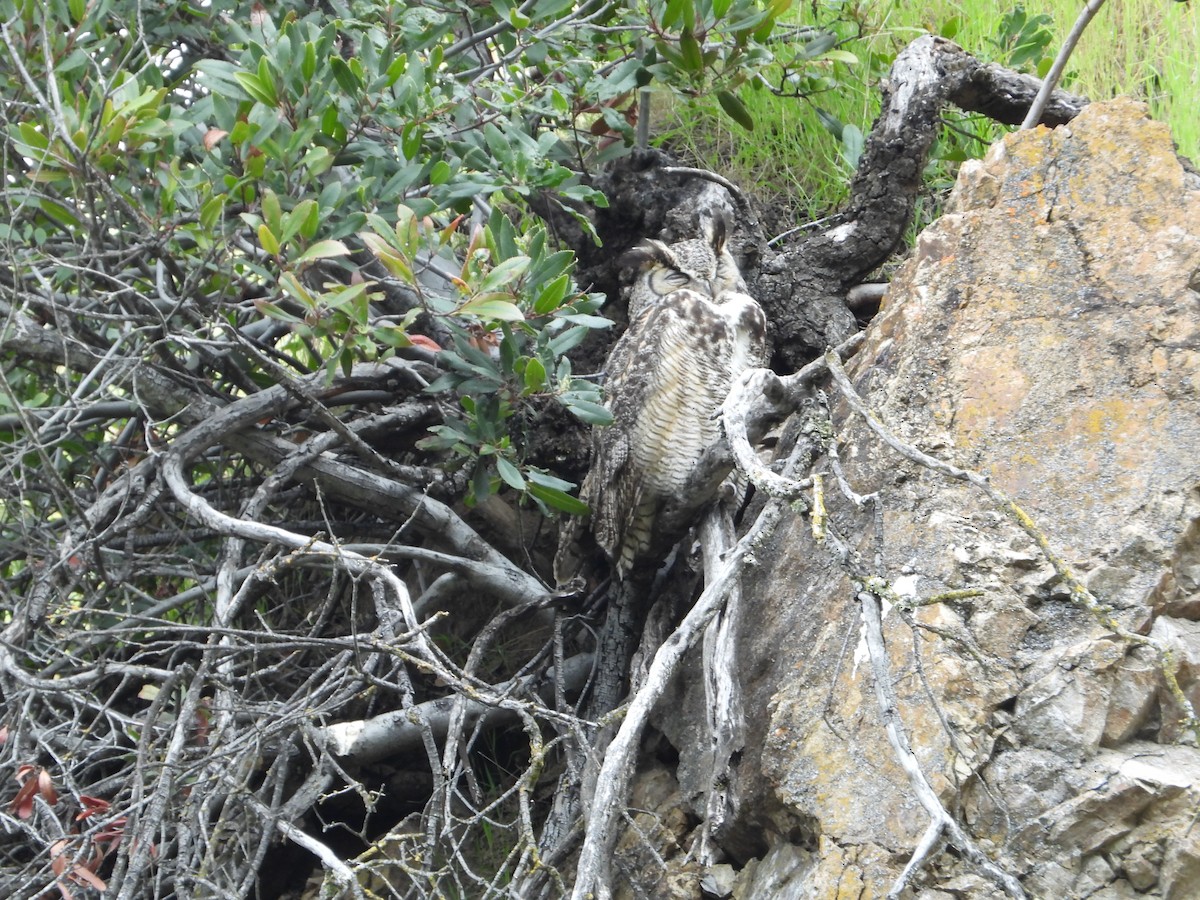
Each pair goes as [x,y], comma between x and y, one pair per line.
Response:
[394,733]
[804,286]
[760,397]
[338,870]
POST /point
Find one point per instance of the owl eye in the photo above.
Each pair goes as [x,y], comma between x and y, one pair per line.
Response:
[660,282]
[673,278]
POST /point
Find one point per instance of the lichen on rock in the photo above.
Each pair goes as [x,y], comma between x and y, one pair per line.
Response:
[1045,332]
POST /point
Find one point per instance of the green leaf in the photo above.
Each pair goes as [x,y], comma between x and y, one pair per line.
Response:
[251,84]
[488,307]
[569,339]
[585,319]
[852,144]
[673,14]
[819,45]
[689,49]
[272,212]
[559,500]
[545,479]
[550,297]
[842,56]
[831,122]
[272,311]
[735,109]
[388,256]
[322,250]
[535,376]
[308,67]
[211,212]
[510,474]
[346,79]
[291,284]
[268,240]
[588,412]
[506,274]
[299,219]
[32,137]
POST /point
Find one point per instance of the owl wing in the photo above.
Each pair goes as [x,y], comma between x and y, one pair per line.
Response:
[666,377]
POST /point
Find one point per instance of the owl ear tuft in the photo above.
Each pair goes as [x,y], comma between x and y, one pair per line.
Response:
[646,254]
[717,230]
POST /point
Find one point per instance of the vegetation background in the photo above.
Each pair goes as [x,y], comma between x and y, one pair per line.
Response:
[797,158]
[283,304]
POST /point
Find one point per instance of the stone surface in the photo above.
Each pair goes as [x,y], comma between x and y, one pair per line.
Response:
[1045,332]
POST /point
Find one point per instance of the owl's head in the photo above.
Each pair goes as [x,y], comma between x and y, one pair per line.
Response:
[702,264]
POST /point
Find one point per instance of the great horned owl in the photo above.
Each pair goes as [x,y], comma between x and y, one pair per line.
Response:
[692,330]
[702,264]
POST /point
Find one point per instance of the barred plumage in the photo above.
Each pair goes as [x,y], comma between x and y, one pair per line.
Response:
[692,330]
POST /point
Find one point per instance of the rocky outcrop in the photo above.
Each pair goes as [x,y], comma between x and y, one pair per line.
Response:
[1045,332]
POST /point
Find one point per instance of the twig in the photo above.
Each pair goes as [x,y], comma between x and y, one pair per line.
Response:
[734,191]
[1060,62]
[331,861]
[942,822]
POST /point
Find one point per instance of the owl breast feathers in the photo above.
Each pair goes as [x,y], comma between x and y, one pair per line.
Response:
[692,331]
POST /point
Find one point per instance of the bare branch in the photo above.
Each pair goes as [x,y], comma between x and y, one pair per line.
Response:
[1060,62]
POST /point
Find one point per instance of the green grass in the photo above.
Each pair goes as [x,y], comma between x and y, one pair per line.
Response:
[1144,48]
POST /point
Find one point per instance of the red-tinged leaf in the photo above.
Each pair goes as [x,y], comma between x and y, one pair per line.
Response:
[67,869]
[46,787]
[58,860]
[3,735]
[88,876]
[22,803]
[212,137]
[428,343]
[450,229]
[91,806]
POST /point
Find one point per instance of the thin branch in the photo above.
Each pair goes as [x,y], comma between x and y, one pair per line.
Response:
[332,863]
[942,822]
[1060,62]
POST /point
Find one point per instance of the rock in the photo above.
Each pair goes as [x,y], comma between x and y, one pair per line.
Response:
[1063,711]
[717,882]
[1095,875]
[651,854]
[1046,333]
[1133,698]
[1142,864]
[1181,866]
